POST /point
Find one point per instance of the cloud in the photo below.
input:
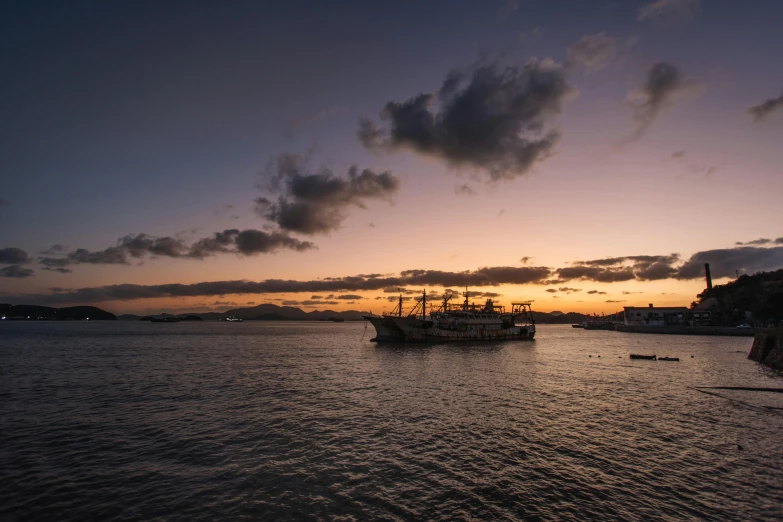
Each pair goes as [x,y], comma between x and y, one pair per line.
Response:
[349,297]
[596,292]
[314,203]
[493,120]
[668,11]
[16,271]
[13,255]
[58,269]
[487,276]
[54,250]
[762,110]
[678,155]
[726,262]
[593,52]
[624,292]
[663,82]
[755,242]
[551,290]
[626,268]
[136,246]
[614,301]
[464,189]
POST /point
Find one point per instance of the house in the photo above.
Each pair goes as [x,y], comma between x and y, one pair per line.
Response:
[655,316]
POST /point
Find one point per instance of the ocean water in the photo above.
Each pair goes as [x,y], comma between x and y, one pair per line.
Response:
[311,421]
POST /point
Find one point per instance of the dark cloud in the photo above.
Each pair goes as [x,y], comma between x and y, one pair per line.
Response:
[755,242]
[109,256]
[594,273]
[596,292]
[61,270]
[13,255]
[762,110]
[668,11]
[629,293]
[662,83]
[614,301]
[251,242]
[140,245]
[54,250]
[593,52]
[487,276]
[349,297]
[551,290]
[16,271]
[611,269]
[779,241]
[316,297]
[494,120]
[726,262]
[314,203]
[136,246]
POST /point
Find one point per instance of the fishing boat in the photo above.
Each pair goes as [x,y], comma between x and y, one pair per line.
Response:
[668,358]
[640,356]
[449,322]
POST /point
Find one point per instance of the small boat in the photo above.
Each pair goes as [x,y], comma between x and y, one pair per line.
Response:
[577,326]
[640,356]
[668,358]
[233,319]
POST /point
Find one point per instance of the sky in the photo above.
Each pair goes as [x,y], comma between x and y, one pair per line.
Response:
[199,156]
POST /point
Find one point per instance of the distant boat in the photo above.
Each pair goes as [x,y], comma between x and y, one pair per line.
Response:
[165,320]
[233,319]
[581,325]
[668,358]
[646,357]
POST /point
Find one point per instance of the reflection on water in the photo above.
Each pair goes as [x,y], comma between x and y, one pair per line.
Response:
[310,420]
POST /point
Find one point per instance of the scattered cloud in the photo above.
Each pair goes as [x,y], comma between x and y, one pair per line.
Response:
[464,189]
[315,203]
[596,292]
[58,269]
[16,271]
[551,290]
[492,120]
[615,301]
[13,255]
[663,82]
[349,297]
[137,246]
[755,242]
[593,52]
[624,292]
[668,11]
[762,110]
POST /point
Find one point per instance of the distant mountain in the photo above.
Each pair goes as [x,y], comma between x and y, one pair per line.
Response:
[271,312]
[45,313]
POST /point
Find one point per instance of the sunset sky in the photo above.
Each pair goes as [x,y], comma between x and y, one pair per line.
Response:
[197,156]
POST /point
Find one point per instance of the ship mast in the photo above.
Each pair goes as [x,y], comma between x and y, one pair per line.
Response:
[399,306]
[424,306]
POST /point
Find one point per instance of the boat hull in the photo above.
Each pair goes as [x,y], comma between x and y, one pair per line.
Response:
[406,329]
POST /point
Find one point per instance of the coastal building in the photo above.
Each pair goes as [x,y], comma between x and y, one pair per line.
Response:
[656,316]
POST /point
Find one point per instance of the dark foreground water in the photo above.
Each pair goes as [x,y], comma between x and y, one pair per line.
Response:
[269,421]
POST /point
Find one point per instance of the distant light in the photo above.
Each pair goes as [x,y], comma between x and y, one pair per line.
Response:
[88,318]
[3,318]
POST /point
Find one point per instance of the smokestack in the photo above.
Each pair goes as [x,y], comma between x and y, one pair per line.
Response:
[708,275]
